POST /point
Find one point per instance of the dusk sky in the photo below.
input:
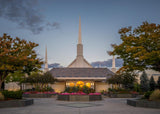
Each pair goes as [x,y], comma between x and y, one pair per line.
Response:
[55,23]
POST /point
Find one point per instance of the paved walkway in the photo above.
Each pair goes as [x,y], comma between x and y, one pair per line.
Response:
[106,106]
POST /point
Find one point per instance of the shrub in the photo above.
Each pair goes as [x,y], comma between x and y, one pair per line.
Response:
[158,83]
[155,96]
[152,84]
[144,82]
[137,87]
[147,94]
[1,96]
[12,94]
[75,89]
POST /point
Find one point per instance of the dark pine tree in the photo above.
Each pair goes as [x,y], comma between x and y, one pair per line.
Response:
[158,83]
[152,84]
[144,82]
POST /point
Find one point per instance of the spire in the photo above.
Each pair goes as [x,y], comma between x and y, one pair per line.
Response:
[46,62]
[79,35]
[113,62]
[79,62]
[79,45]
[113,65]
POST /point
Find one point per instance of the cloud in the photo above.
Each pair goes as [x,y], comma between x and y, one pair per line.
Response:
[54,24]
[25,14]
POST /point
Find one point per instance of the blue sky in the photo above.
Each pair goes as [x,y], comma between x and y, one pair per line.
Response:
[55,23]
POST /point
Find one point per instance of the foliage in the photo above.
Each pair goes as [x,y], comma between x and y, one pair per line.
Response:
[140,48]
[144,83]
[17,54]
[119,90]
[147,94]
[152,84]
[40,81]
[124,77]
[1,96]
[17,76]
[137,87]
[158,83]
[48,88]
[104,92]
[12,94]
[86,89]
[76,89]
[155,96]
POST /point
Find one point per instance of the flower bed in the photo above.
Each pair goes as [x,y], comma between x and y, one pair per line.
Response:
[79,96]
[35,94]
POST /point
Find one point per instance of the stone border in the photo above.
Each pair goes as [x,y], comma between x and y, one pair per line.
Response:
[63,97]
[143,103]
[79,97]
[16,103]
[38,95]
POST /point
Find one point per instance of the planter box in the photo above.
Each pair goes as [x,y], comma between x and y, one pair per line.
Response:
[79,97]
[95,97]
[143,103]
[63,97]
[16,103]
[123,95]
[38,95]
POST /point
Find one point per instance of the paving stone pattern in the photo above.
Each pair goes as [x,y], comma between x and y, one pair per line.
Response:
[53,106]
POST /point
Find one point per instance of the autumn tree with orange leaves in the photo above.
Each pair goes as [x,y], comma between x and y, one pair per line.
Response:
[17,55]
[140,48]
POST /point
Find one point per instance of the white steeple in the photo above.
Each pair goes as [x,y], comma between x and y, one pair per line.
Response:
[113,65]
[46,62]
[79,35]
[80,62]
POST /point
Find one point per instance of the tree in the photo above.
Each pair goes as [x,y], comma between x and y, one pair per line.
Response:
[152,84]
[17,55]
[124,77]
[158,82]
[140,48]
[40,80]
[17,77]
[144,82]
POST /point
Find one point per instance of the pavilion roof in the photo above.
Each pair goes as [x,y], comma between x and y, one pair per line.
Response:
[81,73]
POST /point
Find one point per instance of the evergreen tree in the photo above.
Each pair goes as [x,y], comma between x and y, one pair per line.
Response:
[152,84]
[158,82]
[144,82]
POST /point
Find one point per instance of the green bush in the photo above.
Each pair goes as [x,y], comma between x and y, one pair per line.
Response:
[1,96]
[12,94]
[147,94]
[137,87]
[38,88]
[155,96]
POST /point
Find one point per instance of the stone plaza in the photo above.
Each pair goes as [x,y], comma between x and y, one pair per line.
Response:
[53,106]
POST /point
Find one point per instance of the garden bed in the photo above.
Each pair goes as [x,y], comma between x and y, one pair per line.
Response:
[16,103]
[143,103]
[123,95]
[39,94]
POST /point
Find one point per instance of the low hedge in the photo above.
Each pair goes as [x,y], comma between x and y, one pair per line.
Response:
[12,94]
